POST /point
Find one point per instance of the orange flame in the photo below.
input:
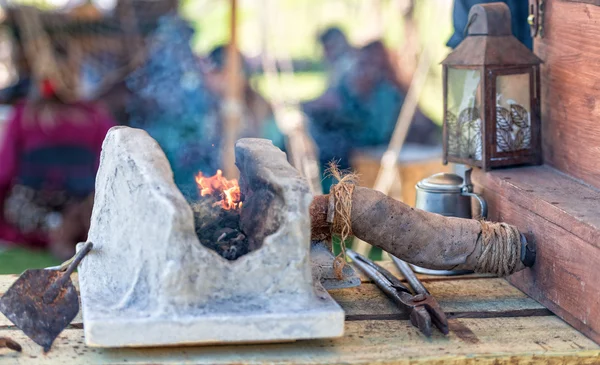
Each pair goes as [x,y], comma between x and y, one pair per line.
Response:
[218,186]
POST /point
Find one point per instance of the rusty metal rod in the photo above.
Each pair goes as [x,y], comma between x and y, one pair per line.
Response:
[57,286]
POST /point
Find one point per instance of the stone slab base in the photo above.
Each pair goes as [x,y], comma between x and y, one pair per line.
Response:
[321,320]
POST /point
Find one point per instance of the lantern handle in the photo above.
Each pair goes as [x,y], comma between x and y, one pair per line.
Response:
[472,19]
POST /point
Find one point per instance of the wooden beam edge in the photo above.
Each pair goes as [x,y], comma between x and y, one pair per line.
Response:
[508,187]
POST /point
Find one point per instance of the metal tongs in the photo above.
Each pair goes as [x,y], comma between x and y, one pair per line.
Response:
[423,308]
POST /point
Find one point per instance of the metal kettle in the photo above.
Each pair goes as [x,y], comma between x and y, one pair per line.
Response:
[449,195]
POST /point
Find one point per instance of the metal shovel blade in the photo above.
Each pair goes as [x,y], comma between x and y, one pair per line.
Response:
[43,302]
[23,304]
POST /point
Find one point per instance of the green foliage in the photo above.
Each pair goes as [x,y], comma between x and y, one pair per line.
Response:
[376,254]
[300,86]
[17,260]
[42,4]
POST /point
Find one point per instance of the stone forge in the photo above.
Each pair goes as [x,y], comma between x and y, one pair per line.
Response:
[149,282]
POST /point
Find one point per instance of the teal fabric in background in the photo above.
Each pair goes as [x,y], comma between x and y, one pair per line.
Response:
[272,132]
[519,10]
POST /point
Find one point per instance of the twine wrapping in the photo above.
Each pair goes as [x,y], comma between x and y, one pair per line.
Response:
[501,249]
[342,225]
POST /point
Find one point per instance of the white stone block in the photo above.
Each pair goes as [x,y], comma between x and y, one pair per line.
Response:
[149,282]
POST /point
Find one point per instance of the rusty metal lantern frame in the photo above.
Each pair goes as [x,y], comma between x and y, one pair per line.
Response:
[491,49]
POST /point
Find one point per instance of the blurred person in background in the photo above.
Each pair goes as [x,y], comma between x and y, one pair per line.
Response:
[374,96]
[178,98]
[170,100]
[330,125]
[49,156]
[340,58]
[257,115]
[362,109]
[340,55]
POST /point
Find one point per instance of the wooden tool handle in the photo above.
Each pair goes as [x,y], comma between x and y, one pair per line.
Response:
[425,239]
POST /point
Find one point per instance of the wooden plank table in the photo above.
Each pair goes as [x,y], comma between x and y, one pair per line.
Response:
[491,322]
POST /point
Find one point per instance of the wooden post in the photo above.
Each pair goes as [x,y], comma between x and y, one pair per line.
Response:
[232,105]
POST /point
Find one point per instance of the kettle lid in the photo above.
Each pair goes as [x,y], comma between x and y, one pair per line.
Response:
[442,182]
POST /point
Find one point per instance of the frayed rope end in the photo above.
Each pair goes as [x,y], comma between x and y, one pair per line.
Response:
[342,193]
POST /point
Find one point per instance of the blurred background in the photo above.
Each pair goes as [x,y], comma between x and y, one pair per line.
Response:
[324,79]
[288,30]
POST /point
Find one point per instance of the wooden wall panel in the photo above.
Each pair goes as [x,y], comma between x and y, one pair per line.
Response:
[560,215]
[571,88]
[561,279]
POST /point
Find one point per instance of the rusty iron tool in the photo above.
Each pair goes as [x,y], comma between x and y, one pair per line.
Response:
[9,343]
[423,308]
[410,276]
[439,319]
[42,302]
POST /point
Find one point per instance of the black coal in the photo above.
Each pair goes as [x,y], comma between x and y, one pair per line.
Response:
[219,229]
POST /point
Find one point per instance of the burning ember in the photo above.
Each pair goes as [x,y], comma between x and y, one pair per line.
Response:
[228,191]
[217,216]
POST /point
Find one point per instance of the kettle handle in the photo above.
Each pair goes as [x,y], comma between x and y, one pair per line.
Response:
[482,202]
[468,191]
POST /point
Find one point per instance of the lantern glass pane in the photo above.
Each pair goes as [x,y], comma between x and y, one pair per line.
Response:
[463,114]
[513,110]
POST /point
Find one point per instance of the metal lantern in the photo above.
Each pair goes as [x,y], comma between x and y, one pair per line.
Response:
[491,95]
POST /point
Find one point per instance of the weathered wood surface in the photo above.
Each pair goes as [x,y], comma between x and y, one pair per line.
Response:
[462,297]
[485,341]
[459,298]
[491,322]
[570,80]
[562,216]
[359,302]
